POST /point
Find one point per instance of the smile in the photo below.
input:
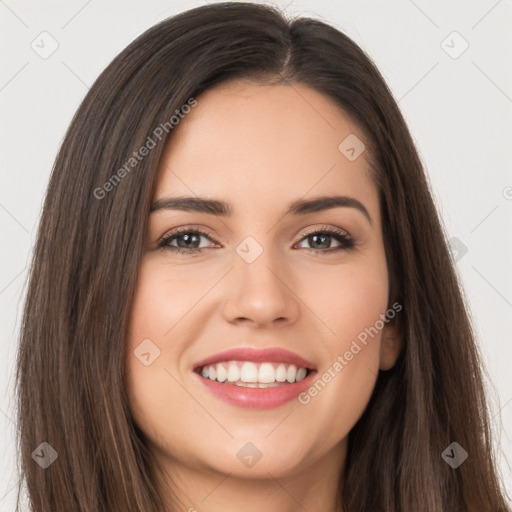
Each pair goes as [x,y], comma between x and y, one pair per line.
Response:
[254,394]
[253,375]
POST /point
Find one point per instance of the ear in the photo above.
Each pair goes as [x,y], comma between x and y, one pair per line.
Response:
[390,345]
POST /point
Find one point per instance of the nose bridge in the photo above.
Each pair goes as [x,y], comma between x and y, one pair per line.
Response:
[260,292]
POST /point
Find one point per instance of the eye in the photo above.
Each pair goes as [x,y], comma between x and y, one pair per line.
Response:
[321,238]
[187,240]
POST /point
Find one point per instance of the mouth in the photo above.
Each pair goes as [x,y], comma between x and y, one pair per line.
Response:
[254,375]
[255,379]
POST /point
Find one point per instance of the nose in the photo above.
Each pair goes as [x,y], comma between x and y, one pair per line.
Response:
[261,292]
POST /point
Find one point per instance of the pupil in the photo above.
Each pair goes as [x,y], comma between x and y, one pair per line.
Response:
[188,238]
[315,237]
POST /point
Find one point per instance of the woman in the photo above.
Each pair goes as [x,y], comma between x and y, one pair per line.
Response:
[187,345]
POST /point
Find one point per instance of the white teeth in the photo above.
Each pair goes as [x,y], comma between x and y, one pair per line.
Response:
[233,373]
[254,375]
[301,373]
[290,374]
[222,374]
[266,373]
[270,385]
[254,385]
[281,373]
[249,373]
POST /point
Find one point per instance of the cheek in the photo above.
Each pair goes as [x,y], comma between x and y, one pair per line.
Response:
[161,300]
[346,300]
[350,306]
[146,354]
[361,302]
[150,302]
[151,354]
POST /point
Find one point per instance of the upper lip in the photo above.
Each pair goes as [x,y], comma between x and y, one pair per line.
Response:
[278,355]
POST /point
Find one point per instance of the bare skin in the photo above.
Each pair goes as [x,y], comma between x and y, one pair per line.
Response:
[259,148]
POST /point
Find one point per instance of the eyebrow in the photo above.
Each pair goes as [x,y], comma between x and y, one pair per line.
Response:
[225,209]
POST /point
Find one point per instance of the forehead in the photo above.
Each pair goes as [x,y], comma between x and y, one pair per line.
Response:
[258,143]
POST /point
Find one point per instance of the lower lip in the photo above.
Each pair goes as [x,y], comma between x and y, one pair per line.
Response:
[256,398]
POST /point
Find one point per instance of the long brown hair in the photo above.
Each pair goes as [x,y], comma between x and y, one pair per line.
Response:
[70,379]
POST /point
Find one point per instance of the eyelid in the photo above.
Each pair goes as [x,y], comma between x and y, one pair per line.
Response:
[325,227]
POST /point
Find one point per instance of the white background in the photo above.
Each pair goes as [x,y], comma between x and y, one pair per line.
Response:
[458,109]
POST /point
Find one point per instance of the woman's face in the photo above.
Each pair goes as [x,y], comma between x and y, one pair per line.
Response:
[261,281]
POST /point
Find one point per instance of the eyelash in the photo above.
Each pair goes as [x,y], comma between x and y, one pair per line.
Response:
[348,242]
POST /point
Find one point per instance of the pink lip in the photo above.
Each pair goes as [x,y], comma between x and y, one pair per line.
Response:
[278,355]
[256,398]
